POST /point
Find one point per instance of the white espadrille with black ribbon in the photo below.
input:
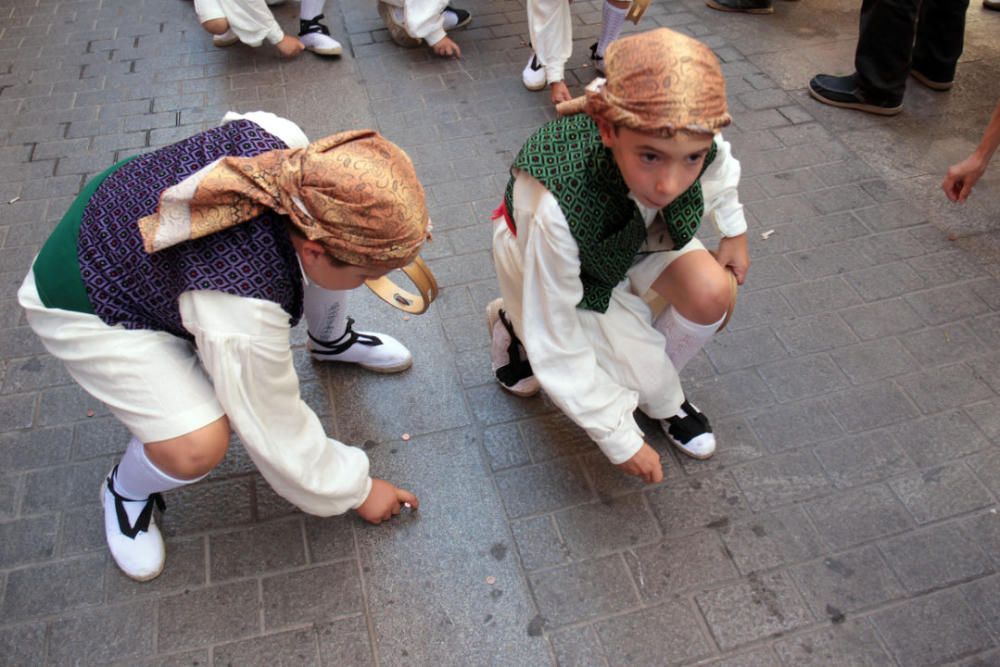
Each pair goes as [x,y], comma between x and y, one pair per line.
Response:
[507,356]
[130,528]
[375,352]
[690,432]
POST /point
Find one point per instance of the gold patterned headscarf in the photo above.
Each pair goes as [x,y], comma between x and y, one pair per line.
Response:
[354,192]
[658,82]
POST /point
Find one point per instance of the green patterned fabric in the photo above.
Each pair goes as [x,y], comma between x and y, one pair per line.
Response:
[569,159]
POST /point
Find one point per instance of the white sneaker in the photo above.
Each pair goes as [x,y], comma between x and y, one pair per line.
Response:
[141,556]
[507,356]
[533,75]
[372,351]
[396,25]
[690,432]
[315,36]
[228,38]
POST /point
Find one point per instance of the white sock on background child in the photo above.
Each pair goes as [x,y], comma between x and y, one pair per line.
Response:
[684,337]
[613,18]
[310,9]
[326,312]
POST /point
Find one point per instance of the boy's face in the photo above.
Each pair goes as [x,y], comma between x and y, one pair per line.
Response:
[655,169]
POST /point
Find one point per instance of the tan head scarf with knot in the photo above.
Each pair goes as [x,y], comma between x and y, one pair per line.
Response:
[354,192]
[658,82]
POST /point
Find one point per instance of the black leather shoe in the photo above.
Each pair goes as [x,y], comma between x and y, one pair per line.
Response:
[597,60]
[745,6]
[844,92]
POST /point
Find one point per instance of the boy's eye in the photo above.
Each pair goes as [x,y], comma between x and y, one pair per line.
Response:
[694,158]
[649,158]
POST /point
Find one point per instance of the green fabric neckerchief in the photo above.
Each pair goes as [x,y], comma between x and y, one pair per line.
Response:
[568,157]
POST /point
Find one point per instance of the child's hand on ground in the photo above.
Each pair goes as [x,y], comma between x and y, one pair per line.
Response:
[559,92]
[645,464]
[384,501]
[733,254]
[961,177]
[289,46]
[446,48]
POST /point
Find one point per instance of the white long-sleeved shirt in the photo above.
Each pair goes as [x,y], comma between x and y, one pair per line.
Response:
[597,367]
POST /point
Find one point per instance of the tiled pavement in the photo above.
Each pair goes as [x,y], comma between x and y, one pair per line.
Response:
[849,518]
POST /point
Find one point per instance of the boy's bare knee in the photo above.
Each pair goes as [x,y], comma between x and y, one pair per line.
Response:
[216,26]
[192,455]
[709,301]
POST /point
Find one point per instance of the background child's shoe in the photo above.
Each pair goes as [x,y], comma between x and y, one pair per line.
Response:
[507,355]
[455,18]
[395,24]
[533,75]
[316,37]
[228,38]
[371,351]
[132,534]
[690,432]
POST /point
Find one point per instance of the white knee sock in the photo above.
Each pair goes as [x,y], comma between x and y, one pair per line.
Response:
[326,312]
[613,18]
[138,477]
[684,337]
[310,9]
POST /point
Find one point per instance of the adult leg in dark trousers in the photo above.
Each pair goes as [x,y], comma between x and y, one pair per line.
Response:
[897,37]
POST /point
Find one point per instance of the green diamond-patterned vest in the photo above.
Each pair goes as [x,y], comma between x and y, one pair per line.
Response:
[567,156]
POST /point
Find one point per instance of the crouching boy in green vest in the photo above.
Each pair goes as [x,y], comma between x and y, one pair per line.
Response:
[601,211]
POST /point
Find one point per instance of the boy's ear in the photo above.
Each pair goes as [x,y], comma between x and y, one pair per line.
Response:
[311,251]
[607,131]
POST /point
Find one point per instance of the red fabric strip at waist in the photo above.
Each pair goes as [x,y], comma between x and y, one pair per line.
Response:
[502,210]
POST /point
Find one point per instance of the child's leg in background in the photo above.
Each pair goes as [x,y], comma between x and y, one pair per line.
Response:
[612,20]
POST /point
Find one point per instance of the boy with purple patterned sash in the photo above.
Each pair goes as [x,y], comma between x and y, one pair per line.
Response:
[599,217]
[169,291]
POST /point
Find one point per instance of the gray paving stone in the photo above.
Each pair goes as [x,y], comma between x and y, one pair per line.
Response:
[24,450]
[554,435]
[941,438]
[505,447]
[781,479]
[577,646]
[208,616]
[848,582]
[22,644]
[760,606]
[543,487]
[870,407]
[101,635]
[329,538]
[24,375]
[693,562]
[261,548]
[828,260]
[8,495]
[53,587]
[941,492]
[67,404]
[308,596]
[786,426]
[934,557]
[946,304]
[886,281]
[730,393]
[863,458]
[296,647]
[493,405]
[345,642]
[987,368]
[711,501]
[736,444]
[185,570]
[802,377]
[609,481]
[747,347]
[884,318]
[610,525]
[987,329]
[764,541]
[583,591]
[64,486]
[874,360]
[759,308]
[985,659]
[948,344]
[859,515]
[852,643]
[539,543]
[27,540]
[673,626]
[931,630]
[17,411]
[820,296]
[986,415]
[206,506]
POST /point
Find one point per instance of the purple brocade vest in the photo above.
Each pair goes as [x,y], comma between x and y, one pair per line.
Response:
[140,291]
